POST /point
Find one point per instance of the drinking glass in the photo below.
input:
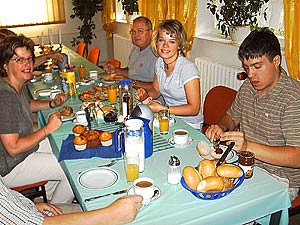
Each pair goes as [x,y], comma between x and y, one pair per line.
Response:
[131,166]
[82,72]
[112,94]
[163,118]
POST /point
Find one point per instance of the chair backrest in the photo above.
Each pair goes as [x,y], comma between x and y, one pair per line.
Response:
[217,101]
[93,55]
[80,48]
[116,63]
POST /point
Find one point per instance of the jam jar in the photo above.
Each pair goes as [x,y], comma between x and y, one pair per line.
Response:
[246,162]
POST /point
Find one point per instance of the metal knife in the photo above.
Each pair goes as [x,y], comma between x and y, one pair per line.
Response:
[223,157]
[100,196]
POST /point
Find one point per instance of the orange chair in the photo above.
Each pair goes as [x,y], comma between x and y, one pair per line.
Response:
[93,55]
[116,63]
[81,48]
[33,191]
[216,103]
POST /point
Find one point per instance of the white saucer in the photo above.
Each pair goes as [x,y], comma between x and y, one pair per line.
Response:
[131,192]
[171,142]
[98,178]
[68,118]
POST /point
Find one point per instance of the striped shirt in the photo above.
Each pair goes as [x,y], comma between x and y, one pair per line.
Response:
[16,208]
[272,120]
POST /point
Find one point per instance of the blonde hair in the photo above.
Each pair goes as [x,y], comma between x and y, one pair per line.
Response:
[176,30]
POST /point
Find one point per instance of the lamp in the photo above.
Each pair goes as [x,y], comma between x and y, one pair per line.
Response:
[16,13]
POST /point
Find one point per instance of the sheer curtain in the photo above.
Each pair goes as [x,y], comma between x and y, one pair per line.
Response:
[15,13]
[292,36]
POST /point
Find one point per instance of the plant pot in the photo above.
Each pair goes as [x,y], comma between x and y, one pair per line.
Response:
[238,33]
[130,18]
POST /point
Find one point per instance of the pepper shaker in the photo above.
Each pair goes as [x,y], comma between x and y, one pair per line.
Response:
[174,173]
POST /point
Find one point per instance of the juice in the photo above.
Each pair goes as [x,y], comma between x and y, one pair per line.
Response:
[82,72]
[164,125]
[132,172]
[112,94]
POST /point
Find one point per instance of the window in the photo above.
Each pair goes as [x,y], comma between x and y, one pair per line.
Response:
[206,23]
[15,13]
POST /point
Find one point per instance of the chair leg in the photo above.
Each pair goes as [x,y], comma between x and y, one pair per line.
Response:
[44,194]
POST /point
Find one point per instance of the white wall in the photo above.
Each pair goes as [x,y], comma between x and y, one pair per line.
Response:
[69,30]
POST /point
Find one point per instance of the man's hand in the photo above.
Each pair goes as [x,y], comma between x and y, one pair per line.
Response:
[48,209]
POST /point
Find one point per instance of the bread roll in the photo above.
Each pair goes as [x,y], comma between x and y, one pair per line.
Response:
[211,184]
[229,171]
[191,177]
[203,148]
[206,168]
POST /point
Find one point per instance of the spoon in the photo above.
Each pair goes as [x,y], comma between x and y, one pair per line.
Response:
[155,194]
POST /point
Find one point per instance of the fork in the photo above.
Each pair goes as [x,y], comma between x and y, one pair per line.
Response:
[111,163]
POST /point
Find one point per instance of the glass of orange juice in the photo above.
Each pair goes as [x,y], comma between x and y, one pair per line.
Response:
[82,72]
[163,118]
[131,165]
[112,94]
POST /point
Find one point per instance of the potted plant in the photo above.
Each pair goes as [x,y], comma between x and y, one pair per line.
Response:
[130,6]
[85,11]
[233,13]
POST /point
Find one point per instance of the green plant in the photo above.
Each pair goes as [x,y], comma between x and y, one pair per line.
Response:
[232,13]
[85,10]
[129,6]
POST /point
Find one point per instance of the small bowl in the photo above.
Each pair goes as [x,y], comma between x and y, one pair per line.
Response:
[80,147]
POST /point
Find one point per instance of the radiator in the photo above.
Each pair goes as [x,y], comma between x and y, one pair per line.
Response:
[122,47]
[214,73]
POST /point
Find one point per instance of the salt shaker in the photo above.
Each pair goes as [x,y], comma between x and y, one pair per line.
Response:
[174,173]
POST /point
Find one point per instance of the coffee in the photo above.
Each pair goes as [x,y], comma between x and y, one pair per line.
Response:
[144,183]
[180,132]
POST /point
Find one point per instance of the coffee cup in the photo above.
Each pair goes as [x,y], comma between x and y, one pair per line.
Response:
[48,76]
[144,186]
[93,74]
[180,137]
[81,117]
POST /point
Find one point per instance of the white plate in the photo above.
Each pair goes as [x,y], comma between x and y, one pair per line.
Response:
[172,121]
[171,142]
[231,157]
[68,118]
[98,178]
[131,192]
[44,92]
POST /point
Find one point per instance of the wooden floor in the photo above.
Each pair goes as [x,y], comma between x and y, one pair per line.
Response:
[295,220]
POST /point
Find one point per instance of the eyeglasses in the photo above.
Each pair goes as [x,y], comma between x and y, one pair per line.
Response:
[23,60]
[139,31]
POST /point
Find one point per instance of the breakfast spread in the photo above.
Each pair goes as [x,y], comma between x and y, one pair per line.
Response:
[90,138]
[110,77]
[98,92]
[207,178]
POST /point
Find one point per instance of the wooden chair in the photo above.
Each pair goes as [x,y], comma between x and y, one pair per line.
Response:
[116,63]
[81,48]
[93,55]
[216,103]
[34,190]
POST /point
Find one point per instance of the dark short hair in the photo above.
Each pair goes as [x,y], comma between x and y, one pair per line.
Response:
[258,43]
[176,30]
[146,20]
[8,47]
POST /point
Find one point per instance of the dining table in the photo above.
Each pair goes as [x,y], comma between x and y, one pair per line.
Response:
[261,197]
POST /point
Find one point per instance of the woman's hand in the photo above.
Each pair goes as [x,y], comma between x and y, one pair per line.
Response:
[59,100]
[46,208]
[54,123]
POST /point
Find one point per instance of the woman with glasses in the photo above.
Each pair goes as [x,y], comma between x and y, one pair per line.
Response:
[25,153]
[176,78]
